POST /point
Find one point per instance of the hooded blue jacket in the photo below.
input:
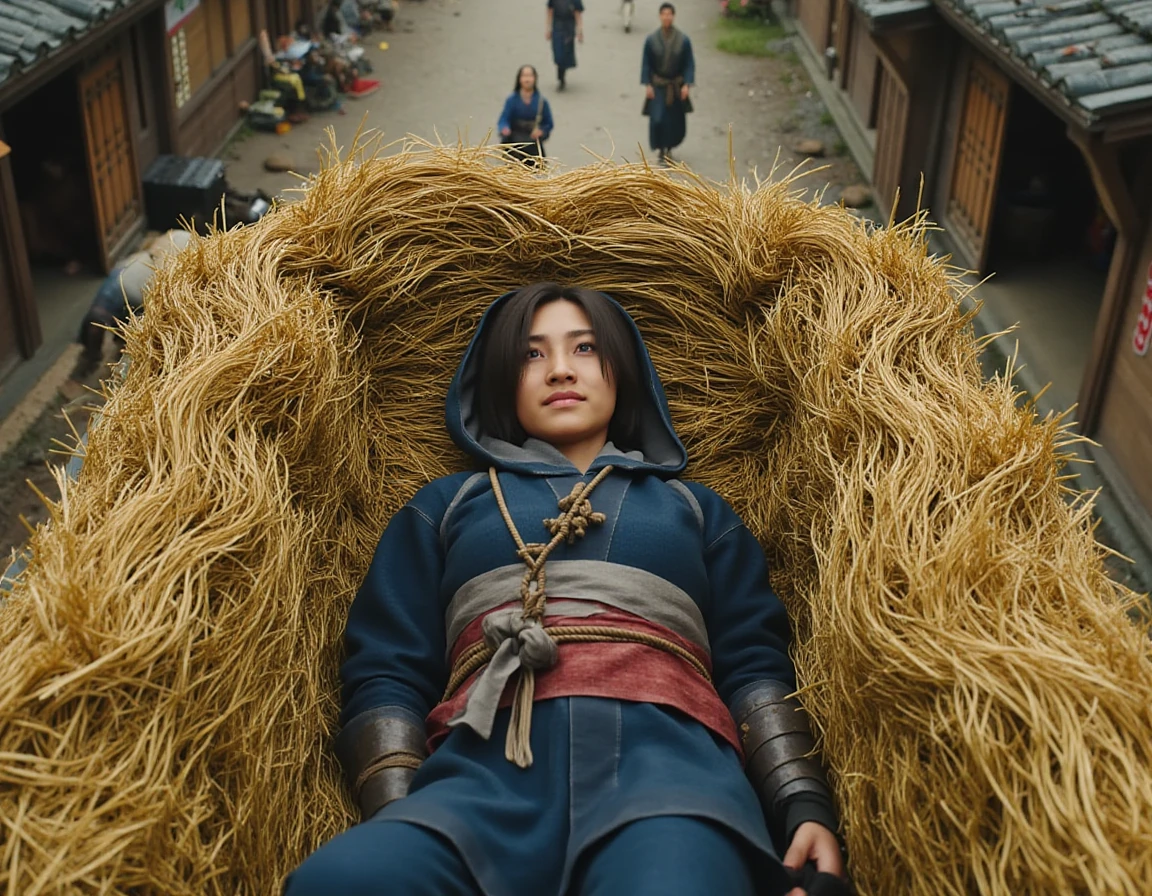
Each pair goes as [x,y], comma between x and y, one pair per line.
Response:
[599,763]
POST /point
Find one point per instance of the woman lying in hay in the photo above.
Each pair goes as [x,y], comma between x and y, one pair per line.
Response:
[170,696]
[606,668]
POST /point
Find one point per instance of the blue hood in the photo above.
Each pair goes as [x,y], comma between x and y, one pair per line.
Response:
[661,451]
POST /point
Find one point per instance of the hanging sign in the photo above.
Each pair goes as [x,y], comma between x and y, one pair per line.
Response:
[176,13]
[1143,334]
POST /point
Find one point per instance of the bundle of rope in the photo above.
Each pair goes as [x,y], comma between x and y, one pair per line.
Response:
[978,684]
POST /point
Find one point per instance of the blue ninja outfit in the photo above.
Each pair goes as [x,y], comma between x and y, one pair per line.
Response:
[625,781]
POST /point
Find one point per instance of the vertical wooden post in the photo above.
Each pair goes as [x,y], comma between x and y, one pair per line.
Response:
[1116,196]
[18,273]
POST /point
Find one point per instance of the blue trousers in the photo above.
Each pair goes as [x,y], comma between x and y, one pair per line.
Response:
[661,856]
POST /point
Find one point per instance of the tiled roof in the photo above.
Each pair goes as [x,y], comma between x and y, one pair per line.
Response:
[888,13]
[1096,53]
[30,30]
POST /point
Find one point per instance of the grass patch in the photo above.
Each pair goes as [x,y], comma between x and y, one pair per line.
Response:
[826,119]
[746,37]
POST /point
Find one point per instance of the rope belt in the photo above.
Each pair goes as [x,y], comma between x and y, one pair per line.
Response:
[671,87]
[478,655]
[517,640]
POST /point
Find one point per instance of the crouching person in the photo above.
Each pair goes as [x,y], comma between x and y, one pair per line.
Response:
[120,296]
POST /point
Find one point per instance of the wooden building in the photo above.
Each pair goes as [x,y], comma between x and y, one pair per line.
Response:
[1025,129]
[91,92]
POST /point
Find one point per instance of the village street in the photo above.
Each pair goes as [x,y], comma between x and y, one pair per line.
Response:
[450,64]
[445,73]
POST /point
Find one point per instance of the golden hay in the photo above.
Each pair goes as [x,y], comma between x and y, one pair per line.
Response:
[169,693]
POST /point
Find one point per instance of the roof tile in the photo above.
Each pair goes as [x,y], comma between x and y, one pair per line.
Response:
[1097,54]
[33,29]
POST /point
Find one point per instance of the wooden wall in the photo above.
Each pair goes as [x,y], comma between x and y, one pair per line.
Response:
[891,137]
[863,76]
[911,115]
[214,65]
[816,20]
[205,125]
[1125,423]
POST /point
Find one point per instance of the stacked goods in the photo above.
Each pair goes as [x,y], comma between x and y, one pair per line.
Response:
[169,699]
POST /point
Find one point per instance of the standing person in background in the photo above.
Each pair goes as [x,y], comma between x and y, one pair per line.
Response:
[667,72]
[565,27]
[526,121]
[333,23]
[627,7]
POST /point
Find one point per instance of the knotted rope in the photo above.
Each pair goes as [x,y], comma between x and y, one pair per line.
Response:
[536,648]
[516,638]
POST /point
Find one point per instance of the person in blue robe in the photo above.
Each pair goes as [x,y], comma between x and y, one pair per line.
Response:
[526,120]
[565,27]
[588,645]
[667,71]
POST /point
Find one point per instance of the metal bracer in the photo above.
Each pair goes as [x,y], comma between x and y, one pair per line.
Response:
[380,750]
[779,749]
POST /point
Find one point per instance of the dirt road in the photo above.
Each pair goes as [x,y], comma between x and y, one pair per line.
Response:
[451,63]
[446,72]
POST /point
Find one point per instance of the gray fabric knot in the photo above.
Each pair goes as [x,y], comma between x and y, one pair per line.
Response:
[518,643]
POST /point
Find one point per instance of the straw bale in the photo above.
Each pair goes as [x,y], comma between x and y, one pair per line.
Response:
[983,696]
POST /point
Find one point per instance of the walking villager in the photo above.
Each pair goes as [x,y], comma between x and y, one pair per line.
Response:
[667,72]
[566,672]
[565,26]
[627,8]
[526,120]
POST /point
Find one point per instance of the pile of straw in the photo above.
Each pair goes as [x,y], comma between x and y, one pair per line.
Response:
[169,691]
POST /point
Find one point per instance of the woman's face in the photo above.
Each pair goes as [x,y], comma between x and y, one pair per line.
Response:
[563,397]
[527,78]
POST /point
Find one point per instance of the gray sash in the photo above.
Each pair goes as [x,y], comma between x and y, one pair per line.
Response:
[520,644]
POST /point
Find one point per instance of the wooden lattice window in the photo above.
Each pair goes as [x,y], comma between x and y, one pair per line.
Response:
[181,73]
[111,156]
[979,151]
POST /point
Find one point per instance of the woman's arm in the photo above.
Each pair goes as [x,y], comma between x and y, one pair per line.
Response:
[545,120]
[395,670]
[646,72]
[548,22]
[505,122]
[578,15]
[750,633]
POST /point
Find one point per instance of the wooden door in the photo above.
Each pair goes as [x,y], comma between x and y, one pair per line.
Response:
[112,168]
[891,137]
[971,197]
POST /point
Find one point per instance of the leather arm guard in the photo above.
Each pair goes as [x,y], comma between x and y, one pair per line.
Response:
[380,750]
[780,753]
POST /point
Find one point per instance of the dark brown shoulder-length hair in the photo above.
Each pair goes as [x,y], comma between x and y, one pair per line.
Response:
[535,76]
[505,347]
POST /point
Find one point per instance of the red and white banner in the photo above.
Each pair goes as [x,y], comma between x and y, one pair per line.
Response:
[176,13]
[1143,334]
